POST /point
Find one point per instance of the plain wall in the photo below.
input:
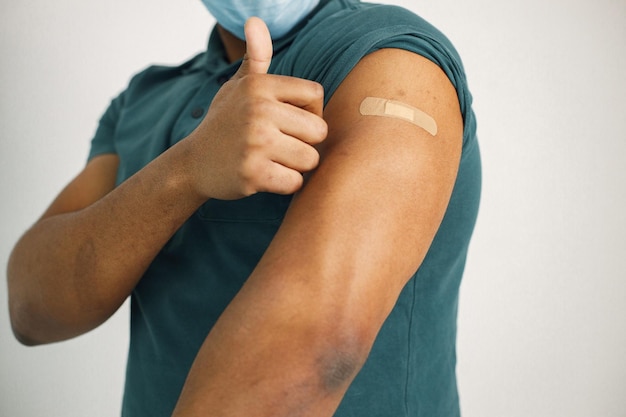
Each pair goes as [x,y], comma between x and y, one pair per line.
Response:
[542,315]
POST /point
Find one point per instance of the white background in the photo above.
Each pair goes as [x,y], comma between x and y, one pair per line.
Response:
[543,316]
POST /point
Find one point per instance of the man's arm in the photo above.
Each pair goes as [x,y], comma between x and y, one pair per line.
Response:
[79,262]
[74,268]
[300,329]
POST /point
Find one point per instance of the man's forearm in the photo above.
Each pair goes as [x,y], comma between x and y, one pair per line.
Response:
[275,352]
[70,272]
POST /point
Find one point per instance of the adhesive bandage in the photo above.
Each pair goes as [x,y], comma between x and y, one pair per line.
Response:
[374,106]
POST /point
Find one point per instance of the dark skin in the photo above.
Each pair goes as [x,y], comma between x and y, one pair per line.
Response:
[235,47]
[331,275]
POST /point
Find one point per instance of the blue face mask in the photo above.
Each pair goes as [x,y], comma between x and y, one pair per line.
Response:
[280,15]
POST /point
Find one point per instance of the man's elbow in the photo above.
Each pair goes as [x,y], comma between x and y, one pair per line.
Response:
[20,308]
[32,320]
[24,339]
[21,331]
[32,325]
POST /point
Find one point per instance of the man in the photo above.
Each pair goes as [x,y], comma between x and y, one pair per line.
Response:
[292,228]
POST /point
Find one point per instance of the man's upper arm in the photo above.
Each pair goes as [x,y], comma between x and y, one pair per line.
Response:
[302,325]
[95,181]
[364,221]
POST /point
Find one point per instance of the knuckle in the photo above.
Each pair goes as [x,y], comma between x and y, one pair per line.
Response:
[317,90]
[248,167]
[248,190]
[317,130]
[322,127]
[296,183]
[314,159]
[257,108]
[308,159]
[290,183]
[281,180]
[260,136]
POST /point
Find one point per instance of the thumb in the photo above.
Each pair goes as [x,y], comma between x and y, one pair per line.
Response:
[259,49]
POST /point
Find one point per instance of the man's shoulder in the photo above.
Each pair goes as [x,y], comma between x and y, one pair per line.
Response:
[351,26]
[338,37]
[355,18]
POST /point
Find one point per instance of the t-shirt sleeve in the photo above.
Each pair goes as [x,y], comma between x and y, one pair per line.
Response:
[354,33]
[103,141]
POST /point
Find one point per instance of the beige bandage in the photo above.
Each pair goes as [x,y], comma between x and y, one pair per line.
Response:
[374,106]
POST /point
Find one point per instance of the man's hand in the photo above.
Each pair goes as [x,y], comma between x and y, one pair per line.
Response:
[259,132]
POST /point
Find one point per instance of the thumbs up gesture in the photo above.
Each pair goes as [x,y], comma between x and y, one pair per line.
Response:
[260,131]
[259,49]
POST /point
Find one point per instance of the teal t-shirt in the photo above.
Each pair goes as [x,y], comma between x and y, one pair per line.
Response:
[411,368]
